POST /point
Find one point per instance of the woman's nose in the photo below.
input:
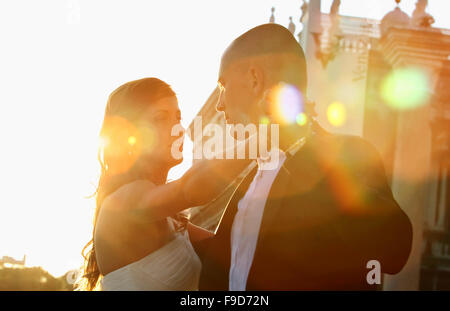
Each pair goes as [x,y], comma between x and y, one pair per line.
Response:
[179,130]
[183,130]
[220,106]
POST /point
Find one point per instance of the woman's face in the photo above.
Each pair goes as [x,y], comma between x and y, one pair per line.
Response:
[162,131]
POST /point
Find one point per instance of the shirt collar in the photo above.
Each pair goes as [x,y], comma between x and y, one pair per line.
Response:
[270,162]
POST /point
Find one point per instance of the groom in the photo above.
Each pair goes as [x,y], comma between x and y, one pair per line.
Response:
[324,209]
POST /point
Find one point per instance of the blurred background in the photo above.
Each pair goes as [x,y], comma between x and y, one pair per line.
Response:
[376,69]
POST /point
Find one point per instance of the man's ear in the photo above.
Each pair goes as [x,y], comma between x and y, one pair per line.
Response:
[256,77]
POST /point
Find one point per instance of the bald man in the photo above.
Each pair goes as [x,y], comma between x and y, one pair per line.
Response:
[323,213]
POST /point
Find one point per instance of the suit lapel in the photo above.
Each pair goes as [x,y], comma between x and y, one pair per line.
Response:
[274,201]
[280,187]
[217,258]
[224,228]
[273,205]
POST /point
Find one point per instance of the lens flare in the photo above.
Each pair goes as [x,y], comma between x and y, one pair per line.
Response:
[264,120]
[286,103]
[121,143]
[405,88]
[336,114]
[132,140]
[301,119]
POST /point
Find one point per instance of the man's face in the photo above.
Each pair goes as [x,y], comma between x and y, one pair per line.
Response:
[237,99]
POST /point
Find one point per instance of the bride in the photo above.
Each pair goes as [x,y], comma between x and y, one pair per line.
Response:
[141,237]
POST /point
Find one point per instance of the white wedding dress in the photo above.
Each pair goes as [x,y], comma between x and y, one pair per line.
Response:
[173,267]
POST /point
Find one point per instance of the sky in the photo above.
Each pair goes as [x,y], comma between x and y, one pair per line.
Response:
[59,61]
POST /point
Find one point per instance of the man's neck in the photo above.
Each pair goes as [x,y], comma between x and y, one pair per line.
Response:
[287,137]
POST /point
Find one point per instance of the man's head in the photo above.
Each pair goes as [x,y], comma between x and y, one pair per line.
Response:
[252,65]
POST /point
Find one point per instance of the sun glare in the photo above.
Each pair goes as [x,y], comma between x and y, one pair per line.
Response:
[301,118]
[131,140]
[286,103]
[405,88]
[336,114]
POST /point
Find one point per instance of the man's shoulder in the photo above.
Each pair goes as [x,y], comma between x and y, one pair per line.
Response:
[349,145]
[325,151]
[354,141]
[343,140]
[357,150]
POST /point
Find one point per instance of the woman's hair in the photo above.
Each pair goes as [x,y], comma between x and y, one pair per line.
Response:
[119,156]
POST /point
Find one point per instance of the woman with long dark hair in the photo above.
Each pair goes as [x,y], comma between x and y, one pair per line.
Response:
[141,238]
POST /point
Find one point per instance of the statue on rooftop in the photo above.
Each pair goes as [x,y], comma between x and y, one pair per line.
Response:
[291,26]
[304,9]
[272,17]
[420,18]
[334,10]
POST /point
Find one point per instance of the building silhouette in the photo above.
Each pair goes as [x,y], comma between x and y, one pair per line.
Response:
[11,261]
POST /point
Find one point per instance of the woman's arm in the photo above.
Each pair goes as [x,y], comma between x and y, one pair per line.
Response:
[203,182]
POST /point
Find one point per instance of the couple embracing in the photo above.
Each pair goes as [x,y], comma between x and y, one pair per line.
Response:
[312,221]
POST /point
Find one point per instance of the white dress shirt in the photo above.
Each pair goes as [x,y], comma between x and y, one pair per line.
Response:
[247,221]
[246,224]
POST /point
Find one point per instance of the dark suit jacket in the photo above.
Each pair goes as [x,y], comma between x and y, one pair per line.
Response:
[330,210]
